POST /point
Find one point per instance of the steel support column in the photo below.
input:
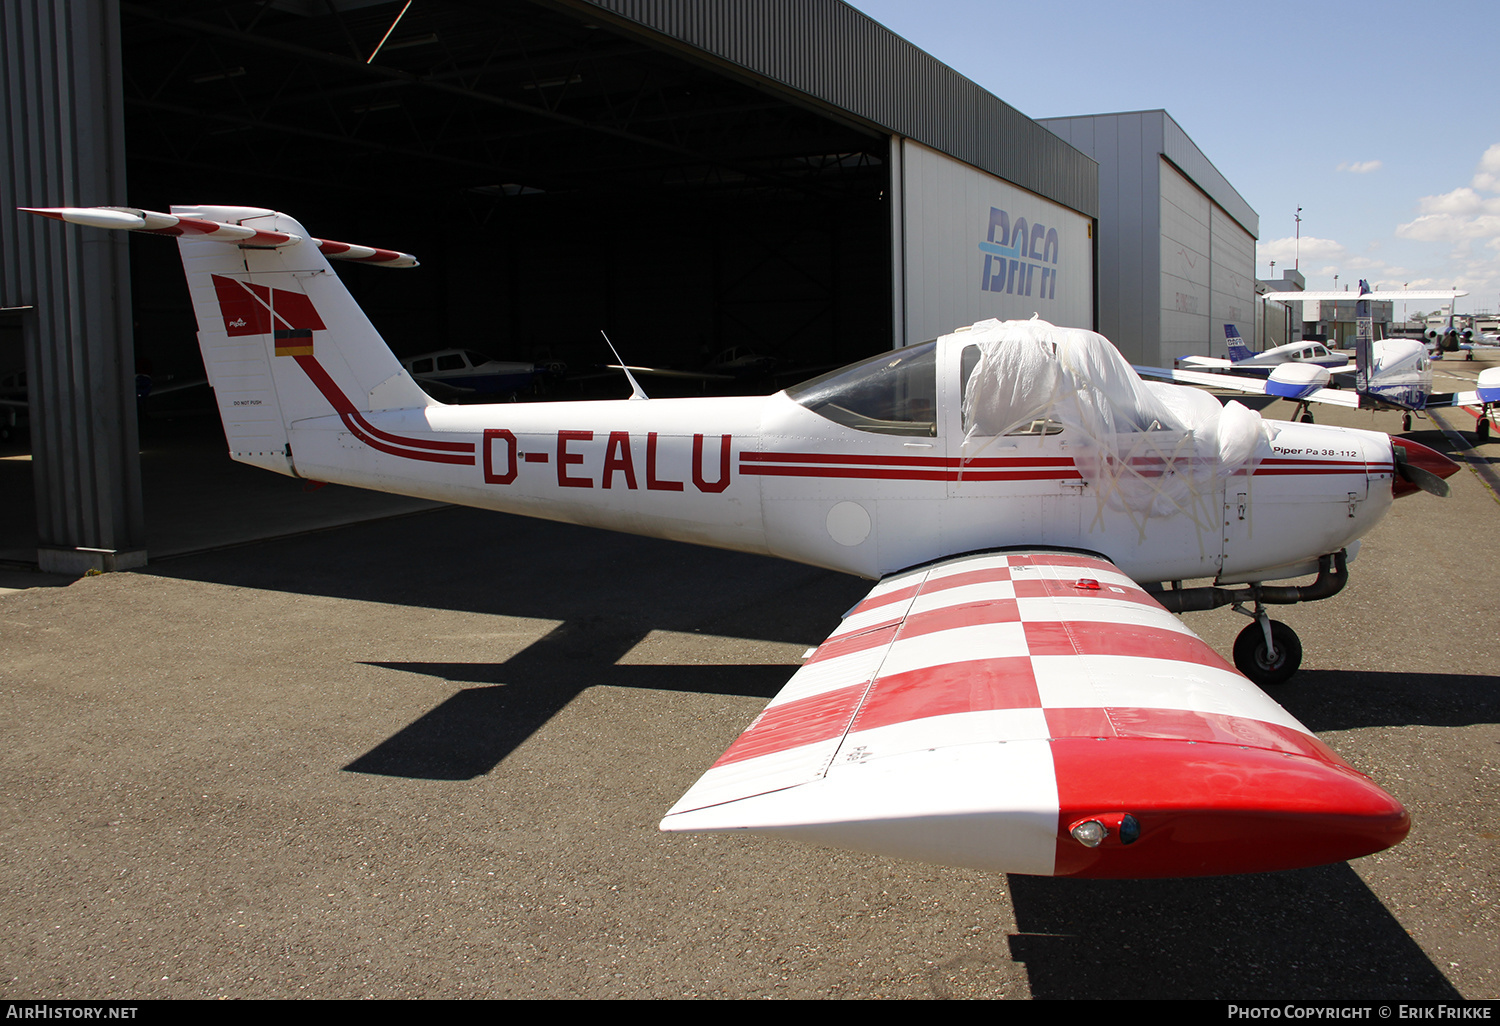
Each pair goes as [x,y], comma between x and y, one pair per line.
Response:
[63,125]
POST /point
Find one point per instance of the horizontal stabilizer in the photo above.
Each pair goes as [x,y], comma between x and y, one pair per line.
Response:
[1390,296]
[1253,386]
[152,222]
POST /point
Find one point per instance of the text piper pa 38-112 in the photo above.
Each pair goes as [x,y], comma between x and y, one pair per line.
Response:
[1014,694]
[1388,374]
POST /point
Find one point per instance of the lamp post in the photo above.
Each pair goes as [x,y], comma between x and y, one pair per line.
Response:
[1297,259]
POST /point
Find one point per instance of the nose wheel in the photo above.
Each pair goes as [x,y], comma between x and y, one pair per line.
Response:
[1267,651]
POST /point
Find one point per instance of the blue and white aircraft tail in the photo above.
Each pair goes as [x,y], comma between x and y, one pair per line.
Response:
[1238,351]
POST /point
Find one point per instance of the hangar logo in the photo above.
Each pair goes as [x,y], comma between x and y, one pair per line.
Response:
[1012,260]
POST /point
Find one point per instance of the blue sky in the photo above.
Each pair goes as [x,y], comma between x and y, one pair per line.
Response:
[1381,120]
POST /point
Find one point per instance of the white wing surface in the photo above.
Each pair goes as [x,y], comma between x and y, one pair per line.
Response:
[984,711]
[1274,385]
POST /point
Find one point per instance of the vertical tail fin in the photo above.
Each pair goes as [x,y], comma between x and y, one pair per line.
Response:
[1237,349]
[282,338]
[1364,340]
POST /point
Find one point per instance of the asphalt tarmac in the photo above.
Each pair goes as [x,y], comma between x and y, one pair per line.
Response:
[425,757]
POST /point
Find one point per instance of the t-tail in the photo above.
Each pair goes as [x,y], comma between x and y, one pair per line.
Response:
[1364,340]
[1238,351]
[282,338]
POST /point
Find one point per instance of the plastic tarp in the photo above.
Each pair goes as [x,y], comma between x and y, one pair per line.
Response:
[1145,448]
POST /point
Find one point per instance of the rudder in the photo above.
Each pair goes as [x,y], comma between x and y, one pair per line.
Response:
[281,337]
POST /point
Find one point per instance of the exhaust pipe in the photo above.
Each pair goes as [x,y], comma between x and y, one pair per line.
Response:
[1332,576]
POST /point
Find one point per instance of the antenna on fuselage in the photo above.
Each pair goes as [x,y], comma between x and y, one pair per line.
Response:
[636,392]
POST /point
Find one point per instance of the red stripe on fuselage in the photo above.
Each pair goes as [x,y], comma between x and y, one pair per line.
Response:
[428,450]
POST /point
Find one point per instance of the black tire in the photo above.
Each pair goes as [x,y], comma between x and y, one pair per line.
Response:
[1482,429]
[1406,422]
[1250,654]
[1307,417]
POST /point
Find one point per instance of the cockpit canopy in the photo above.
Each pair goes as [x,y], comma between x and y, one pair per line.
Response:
[891,393]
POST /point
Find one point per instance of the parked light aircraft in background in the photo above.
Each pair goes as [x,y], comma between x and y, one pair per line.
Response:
[1013,694]
[1389,374]
[1469,340]
[1243,361]
[465,371]
[15,403]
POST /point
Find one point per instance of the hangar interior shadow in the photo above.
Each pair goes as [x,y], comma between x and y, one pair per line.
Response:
[558,173]
[555,173]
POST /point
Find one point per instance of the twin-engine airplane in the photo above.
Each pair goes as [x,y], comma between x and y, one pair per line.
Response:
[1388,374]
[1014,694]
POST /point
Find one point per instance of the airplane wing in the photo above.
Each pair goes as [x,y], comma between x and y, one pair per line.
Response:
[1488,392]
[1039,713]
[1430,295]
[667,372]
[1278,384]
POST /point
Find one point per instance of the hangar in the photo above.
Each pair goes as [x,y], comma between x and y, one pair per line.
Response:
[783,176]
[1177,251]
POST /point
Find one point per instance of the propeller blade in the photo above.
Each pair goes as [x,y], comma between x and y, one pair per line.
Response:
[1420,476]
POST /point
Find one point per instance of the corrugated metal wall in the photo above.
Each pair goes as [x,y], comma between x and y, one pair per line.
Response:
[833,53]
[1176,241]
[64,134]
[1130,226]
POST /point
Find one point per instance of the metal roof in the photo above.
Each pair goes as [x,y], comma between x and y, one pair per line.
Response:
[830,53]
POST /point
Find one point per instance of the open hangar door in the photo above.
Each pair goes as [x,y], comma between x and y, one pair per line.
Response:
[556,175]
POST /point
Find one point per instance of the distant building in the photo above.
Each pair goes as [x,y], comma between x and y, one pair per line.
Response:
[1176,241]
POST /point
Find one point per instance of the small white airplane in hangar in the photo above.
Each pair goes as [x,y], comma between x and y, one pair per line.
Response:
[1014,694]
[1388,374]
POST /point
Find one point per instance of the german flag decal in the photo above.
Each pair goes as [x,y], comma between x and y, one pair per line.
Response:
[294,342]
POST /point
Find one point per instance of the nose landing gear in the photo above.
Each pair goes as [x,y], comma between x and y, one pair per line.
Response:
[1267,651]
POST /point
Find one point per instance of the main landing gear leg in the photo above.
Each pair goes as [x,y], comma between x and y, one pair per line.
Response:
[1267,651]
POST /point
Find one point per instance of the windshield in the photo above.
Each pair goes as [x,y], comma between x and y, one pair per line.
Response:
[892,393]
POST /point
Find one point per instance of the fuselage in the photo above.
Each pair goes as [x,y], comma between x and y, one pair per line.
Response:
[1400,374]
[1261,364]
[870,480]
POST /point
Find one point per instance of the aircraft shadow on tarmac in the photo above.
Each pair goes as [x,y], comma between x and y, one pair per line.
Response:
[472,731]
[1316,933]
[1308,933]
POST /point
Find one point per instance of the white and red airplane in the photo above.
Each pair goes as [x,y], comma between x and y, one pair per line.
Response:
[1013,694]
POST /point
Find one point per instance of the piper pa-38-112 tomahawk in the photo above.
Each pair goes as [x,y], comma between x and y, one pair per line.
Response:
[1013,694]
[1388,374]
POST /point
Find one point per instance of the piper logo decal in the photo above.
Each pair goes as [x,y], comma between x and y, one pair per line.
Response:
[250,309]
[1011,262]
